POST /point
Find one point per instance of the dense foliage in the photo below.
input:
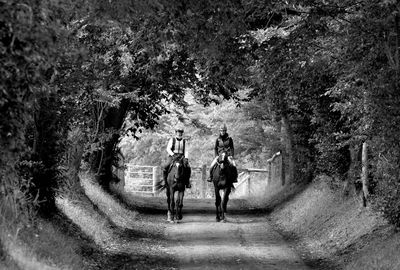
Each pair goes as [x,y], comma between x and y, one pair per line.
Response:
[331,69]
[253,136]
[324,75]
[30,139]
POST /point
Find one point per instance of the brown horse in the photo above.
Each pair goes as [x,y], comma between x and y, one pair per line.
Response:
[223,176]
[178,177]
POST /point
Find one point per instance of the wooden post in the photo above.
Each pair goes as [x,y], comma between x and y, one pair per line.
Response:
[268,177]
[248,185]
[155,178]
[203,185]
[274,167]
[282,172]
[364,173]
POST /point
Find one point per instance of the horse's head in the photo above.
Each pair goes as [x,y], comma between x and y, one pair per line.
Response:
[223,172]
[223,160]
[178,167]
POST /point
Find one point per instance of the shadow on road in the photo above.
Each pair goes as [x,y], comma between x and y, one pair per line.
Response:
[157,205]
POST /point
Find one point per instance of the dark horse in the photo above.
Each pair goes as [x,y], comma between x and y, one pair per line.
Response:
[223,176]
[178,177]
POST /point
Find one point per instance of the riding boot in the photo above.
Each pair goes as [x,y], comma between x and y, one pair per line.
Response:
[235,174]
[188,185]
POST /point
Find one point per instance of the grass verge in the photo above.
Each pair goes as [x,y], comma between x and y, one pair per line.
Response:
[41,245]
[334,230]
[92,231]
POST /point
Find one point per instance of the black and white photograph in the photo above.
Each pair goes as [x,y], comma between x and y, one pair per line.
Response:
[200,134]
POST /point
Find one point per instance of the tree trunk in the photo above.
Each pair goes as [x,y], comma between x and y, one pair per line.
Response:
[282,150]
[49,130]
[74,154]
[101,161]
[364,173]
[288,157]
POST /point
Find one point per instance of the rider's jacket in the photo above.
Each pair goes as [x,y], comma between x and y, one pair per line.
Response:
[224,143]
[176,146]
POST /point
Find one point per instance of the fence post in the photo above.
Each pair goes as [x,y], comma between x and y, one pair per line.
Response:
[282,167]
[248,185]
[203,185]
[154,179]
[268,182]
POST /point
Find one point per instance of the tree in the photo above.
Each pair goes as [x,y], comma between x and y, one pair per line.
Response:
[29,51]
[134,67]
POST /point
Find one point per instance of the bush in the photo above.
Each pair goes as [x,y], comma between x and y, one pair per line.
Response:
[386,196]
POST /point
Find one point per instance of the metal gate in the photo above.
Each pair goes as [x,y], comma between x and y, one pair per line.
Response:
[141,179]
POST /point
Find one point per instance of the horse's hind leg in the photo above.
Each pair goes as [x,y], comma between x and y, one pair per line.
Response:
[179,205]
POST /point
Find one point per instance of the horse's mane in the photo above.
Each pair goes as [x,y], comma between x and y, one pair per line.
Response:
[180,159]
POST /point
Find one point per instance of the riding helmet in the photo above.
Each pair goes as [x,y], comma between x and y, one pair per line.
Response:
[179,129]
[223,127]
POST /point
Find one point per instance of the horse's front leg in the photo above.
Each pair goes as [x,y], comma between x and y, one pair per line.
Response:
[172,205]
[217,203]
[225,200]
[179,205]
[221,208]
[169,213]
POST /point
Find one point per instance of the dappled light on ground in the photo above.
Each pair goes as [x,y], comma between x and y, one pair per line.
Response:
[128,239]
[201,243]
[107,204]
[91,223]
[42,245]
[325,229]
[246,241]
[26,259]
[117,213]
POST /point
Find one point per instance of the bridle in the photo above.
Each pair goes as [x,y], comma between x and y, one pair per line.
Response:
[178,164]
[221,163]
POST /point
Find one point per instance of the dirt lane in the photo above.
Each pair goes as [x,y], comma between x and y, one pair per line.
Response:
[244,242]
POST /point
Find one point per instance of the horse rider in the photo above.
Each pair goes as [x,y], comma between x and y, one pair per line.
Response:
[223,143]
[176,148]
